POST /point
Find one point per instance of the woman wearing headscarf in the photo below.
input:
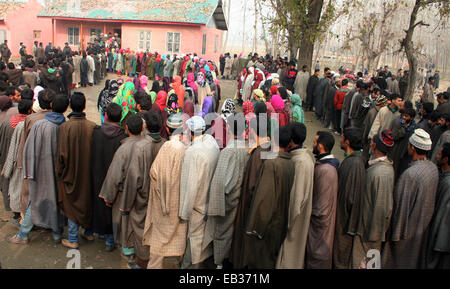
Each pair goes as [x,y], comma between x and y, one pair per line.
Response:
[191,83]
[248,84]
[297,110]
[249,113]
[119,62]
[144,84]
[156,87]
[161,99]
[203,87]
[208,106]
[179,90]
[172,104]
[219,126]
[285,95]
[166,84]
[278,105]
[143,59]
[126,100]
[189,108]
[157,63]
[150,67]
[137,83]
[103,94]
[159,105]
[161,66]
[138,62]
[259,79]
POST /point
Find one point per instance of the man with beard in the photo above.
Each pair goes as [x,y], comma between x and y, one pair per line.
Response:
[387,115]
[319,246]
[414,203]
[352,185]
[402,129]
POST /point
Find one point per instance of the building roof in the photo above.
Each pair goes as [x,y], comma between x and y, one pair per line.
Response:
[9,6]
[197,12]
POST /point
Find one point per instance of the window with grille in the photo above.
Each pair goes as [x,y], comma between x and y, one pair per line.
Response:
[204,44]
[173,42]
[216,44]
[73,34]
[144,40]
[37,34]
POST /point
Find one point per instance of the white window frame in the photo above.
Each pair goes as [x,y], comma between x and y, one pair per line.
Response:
[3,36]
[172,48]
[74,43]
[145,41]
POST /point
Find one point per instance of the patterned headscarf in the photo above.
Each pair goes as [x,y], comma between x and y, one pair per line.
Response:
[228,108]
[172,103]
[209,77]
[126,99]
[201,79]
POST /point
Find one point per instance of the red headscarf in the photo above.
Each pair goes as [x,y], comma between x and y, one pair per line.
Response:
[161,99]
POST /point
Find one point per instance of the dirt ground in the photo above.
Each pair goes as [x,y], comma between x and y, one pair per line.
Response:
[42,253]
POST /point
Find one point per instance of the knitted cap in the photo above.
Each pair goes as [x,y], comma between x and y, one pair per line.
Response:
[421,140]
[384,140]
[174,121]
[381,100]
[196,123]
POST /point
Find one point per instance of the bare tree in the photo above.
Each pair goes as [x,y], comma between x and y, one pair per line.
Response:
[407,43]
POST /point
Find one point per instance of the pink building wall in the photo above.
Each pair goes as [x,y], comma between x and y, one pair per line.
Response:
[20,25]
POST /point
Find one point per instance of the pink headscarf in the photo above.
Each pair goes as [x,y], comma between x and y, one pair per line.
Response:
[191,82]
[144,83]
[277,102]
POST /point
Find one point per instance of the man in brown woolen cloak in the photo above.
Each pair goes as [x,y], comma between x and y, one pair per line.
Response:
[73,169]
[267,224]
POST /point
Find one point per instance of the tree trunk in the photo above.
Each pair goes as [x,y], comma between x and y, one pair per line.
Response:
[306,45]
[409,49]
[355,65]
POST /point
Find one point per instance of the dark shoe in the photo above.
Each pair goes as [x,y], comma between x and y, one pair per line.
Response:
[16,240]
[109,248]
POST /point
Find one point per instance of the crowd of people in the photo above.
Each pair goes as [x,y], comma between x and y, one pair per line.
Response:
[177,181]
